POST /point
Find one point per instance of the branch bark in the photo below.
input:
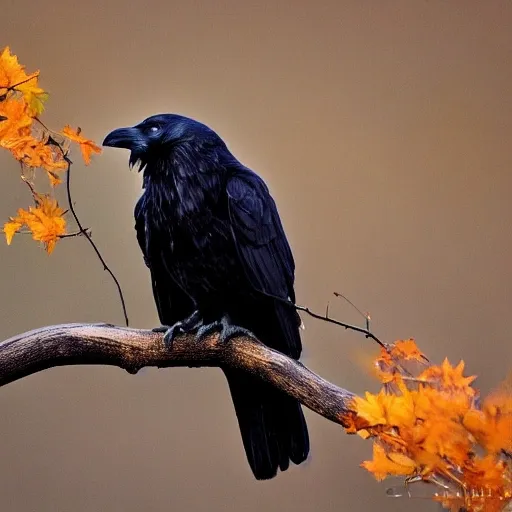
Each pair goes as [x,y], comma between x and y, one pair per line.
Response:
[133,349]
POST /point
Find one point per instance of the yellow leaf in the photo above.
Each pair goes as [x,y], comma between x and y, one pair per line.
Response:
[10,228]
[407,350]
[13,77]
[492,426]
[36,100]
[371,408]
[392,463]
[87,146]
[18,120]
[11,72]
[399,411]
[449,377]
[33,152]
[45,221]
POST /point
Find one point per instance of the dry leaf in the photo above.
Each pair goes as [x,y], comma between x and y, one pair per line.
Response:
[87,146]
[383,465]
[13,77]
[45,222]
[18,120]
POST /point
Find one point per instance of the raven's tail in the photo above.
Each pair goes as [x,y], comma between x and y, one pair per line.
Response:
[272,425]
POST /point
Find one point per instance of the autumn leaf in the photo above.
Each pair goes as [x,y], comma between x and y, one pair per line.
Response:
[11,72]
[34,96]
[18,120]
[485,473]
[36,99]
[13,77]
[431,423]
[11,227]
[383,464]
[45,222]
[33,152]
[87,146]
[392,358]
[371,408]
[35,147]
[407,350]
[449,377]
[492,425]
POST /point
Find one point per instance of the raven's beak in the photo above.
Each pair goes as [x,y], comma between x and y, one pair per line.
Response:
[122,138]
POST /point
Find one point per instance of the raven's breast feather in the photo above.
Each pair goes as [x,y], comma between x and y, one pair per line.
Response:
[198,251]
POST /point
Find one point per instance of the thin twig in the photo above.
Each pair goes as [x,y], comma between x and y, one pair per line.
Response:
[366,316]
[76,233]
[84,231]
[325,318]
[346,299]
[13,87]
[362,330]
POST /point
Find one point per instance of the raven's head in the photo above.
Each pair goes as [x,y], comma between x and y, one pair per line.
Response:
[160,136]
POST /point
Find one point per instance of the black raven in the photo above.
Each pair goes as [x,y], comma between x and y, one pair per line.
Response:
[212,238]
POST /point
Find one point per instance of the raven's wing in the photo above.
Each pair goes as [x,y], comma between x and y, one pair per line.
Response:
[264,251]
[272,424]
[171,301]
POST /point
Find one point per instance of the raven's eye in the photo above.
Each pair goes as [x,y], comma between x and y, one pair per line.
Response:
[152,129]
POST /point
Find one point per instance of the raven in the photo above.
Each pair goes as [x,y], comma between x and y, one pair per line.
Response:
[211,236]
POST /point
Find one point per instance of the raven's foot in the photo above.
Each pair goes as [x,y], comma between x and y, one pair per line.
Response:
[225,329]
[190,324]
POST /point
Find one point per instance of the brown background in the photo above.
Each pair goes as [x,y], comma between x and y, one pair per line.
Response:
[383,129]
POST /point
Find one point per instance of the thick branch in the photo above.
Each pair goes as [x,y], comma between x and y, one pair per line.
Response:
[133,349]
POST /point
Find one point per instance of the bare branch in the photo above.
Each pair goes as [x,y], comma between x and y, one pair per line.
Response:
[133,349]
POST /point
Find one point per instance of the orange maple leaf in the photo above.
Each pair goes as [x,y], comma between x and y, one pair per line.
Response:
[17,122]
[372,408]
[390,363]
[492,425]
[87,146]
[33,152]
[407,350]
[13,77]
[449,377]
[45,221]
[11,227]
[11,72]
[428,423]
[385,463]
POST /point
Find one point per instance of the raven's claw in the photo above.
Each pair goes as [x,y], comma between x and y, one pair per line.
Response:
[190,324]
[226,330]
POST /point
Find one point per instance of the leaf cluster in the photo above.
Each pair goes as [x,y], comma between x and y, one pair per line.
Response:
[429,423]
[35,147]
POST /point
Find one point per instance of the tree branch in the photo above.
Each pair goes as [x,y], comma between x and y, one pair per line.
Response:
[133,349]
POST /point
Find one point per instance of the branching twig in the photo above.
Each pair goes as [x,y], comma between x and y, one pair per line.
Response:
[326,318]
[133,349]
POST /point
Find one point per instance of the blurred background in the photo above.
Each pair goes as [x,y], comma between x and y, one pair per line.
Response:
[383,130]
